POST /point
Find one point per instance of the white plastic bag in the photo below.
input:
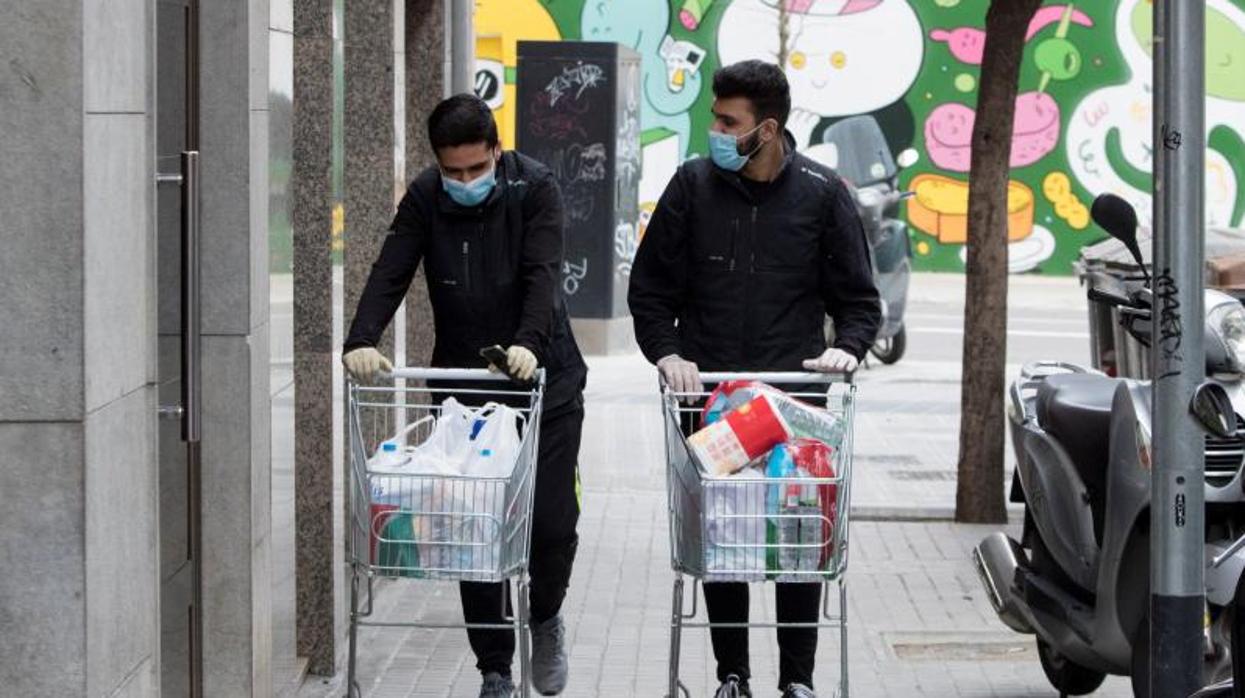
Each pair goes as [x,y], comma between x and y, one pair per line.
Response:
[735,527]
[481,442]
[493,445]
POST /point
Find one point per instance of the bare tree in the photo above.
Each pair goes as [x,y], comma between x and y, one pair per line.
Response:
[784,34]
[979,489]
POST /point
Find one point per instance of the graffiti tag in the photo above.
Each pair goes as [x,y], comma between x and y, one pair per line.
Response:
[1170,329]
[573,274]
[580,77]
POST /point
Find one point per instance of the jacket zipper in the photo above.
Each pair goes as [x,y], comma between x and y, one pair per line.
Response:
[466,266]
[734,236]
[752,253]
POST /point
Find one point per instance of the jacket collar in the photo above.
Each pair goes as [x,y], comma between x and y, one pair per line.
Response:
[736,179]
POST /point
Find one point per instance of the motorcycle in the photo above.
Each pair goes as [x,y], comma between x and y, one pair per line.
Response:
[863,160]
[1079,577]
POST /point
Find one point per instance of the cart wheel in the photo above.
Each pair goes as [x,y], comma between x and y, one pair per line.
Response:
[891,350]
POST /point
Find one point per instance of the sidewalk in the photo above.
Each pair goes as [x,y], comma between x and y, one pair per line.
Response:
[920,624]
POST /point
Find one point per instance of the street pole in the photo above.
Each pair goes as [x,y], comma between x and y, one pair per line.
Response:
[462,46]
[1177,507]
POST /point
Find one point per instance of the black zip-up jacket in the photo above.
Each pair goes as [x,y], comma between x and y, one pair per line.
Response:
[492,273]
[737,284]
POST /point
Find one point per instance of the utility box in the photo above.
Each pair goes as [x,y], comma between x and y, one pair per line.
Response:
[579,114]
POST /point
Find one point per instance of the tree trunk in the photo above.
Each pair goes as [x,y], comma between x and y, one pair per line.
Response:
[979,488]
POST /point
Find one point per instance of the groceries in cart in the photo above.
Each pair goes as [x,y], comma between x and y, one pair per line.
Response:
[744,434]
[757,441]
[425,517]
[482,442]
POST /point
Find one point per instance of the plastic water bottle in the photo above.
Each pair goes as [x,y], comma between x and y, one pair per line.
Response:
[782,500]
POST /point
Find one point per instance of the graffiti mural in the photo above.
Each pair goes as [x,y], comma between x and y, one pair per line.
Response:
[1083,116]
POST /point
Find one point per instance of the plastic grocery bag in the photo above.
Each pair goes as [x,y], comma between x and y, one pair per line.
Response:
[735,526]
[481,442]
[492,446]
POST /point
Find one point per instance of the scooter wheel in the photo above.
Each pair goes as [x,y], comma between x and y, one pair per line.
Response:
[889,351]
[1065,675]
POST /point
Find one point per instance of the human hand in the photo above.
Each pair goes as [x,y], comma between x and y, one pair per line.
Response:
[832,361]
[365,363]
[681,375]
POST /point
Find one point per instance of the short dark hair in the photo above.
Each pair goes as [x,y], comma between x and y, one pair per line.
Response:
[763,84]
[461,120]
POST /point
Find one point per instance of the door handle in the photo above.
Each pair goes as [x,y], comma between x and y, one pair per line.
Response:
[192,319]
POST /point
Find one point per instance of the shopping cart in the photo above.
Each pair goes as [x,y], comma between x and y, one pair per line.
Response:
[718,526]
[437,527]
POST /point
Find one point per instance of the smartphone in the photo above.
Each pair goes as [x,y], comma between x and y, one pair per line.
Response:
[496,356]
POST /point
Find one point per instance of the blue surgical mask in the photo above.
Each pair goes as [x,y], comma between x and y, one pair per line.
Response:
[724,150]
[473,192]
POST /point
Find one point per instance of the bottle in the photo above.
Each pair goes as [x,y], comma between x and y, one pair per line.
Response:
[781,501]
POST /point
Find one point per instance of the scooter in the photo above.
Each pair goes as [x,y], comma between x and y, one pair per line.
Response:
[1079,577]
[864,160]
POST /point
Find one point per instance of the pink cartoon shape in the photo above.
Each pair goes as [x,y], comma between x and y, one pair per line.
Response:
[968,44]
[854,6]
[1035,133]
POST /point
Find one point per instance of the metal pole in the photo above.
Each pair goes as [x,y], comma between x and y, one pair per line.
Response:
[462,46]
[1176,512]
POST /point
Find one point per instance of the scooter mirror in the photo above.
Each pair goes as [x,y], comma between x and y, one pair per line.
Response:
[1213,409]
[908,157]
[1119,219]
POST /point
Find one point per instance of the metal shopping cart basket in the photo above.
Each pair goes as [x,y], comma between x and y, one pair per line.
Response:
[723,529]
[437,527]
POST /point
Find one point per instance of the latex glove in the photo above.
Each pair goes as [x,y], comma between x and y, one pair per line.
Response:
[521,362]
[681,375]
[365,363]
[832,361]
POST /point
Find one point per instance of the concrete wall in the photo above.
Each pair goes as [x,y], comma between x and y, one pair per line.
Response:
[78,352]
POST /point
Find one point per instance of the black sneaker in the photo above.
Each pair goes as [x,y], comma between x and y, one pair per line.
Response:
[733,687]
[496,686]
[798,690]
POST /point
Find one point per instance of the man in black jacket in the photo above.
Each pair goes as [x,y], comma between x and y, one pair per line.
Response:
[746,253]
[488,226]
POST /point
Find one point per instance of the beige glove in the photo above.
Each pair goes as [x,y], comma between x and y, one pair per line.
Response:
[681,375]
[521,362]
[365,362]
[832,361]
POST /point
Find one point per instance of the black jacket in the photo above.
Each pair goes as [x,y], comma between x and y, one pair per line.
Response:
[492,272]
[739,284]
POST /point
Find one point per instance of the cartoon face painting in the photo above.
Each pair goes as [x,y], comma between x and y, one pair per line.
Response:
[1083,116]
[671,69]
[1110,133]
[844,57]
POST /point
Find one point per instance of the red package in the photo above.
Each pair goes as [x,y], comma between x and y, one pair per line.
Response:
[747,432]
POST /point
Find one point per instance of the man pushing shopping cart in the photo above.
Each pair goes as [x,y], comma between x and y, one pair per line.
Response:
[487,225]
[746,253]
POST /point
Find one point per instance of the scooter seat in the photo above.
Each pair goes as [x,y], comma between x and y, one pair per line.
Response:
[1075,409]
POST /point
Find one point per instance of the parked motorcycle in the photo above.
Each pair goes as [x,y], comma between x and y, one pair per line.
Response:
[1079,576]
[864,160]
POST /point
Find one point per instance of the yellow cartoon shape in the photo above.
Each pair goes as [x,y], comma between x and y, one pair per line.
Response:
[500,25]
[940,208]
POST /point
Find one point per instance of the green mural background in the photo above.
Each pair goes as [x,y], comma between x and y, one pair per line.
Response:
[1083,118]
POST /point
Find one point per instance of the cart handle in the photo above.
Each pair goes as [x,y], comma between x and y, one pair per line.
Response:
[452,374]
[778,377]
